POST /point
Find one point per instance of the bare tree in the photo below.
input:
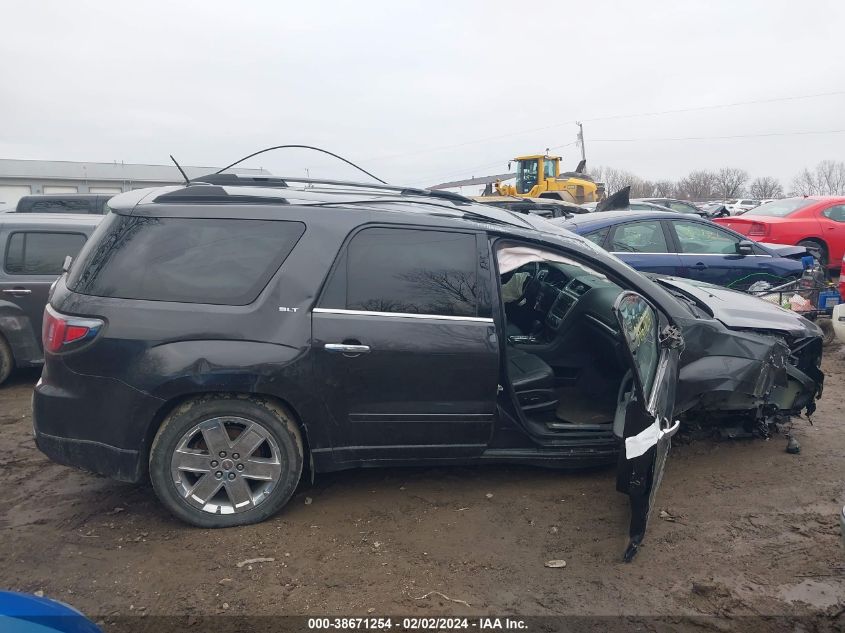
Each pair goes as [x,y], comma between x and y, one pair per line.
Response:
[827,179]
[804,184]
[643,189]
[698,185]
[730,181]
[830,178]
[766,187]
[664,189]
[615,179]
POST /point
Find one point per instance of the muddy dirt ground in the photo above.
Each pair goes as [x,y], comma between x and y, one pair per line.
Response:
[750,530]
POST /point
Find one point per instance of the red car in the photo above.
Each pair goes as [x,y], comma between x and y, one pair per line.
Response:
[816,222]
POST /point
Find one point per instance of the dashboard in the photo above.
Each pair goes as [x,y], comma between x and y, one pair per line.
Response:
[567,291]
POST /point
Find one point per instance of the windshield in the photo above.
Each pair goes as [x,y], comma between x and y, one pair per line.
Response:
[526,175]
[781,208]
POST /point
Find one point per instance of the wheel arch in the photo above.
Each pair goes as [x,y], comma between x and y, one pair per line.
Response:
[814,238]
[821,242]
[174,403]
[5,347]
[16,329]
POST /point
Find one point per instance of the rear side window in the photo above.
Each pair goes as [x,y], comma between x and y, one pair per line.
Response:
[56,205]
[837,213]
[223,262]
[40,253]
[680,207]
[407,271]
[597,237]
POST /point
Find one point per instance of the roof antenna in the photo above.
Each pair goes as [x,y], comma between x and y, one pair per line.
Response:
[311,147]
[181,171]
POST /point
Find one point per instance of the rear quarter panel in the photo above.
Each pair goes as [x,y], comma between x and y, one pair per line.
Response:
[801,225]
[167,351]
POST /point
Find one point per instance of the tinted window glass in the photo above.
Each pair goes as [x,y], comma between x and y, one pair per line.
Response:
[526,175]
[225,262]
[63,206]
[639,237]
[14,253]
[680,207]
[411,271]
[40,253]
[702,237]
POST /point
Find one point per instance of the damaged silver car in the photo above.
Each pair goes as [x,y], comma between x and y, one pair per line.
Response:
[764,372]
[747,364]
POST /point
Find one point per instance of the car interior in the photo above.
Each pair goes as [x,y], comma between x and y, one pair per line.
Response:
[565,357]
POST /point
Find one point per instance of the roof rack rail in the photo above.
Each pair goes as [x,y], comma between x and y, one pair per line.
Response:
[213,193]
[234,180]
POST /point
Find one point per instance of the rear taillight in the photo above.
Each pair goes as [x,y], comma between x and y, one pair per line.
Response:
[60,332]
[758,229]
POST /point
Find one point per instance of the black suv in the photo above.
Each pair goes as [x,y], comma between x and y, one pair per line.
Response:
[64,203]
[220,336]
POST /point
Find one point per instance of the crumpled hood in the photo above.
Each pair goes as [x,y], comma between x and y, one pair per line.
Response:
[743,311]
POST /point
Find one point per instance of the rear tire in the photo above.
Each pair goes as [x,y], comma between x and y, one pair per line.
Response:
[7,360]
[226,460]
[817,249]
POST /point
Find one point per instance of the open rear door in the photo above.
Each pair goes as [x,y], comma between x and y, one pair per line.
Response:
[646,401]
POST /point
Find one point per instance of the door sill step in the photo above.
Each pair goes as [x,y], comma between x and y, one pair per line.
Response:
[568,426]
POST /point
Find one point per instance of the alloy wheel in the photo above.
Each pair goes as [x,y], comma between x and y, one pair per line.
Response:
[226,465]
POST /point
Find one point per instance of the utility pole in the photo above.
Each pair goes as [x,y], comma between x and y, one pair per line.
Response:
[581,140]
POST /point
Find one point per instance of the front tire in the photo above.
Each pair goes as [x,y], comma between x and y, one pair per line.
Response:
[221,461]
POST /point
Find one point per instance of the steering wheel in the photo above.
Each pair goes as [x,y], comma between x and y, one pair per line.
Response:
[531,283]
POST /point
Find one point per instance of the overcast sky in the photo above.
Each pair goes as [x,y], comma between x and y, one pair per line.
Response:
[422,92]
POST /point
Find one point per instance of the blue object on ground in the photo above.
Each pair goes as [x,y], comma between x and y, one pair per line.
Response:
[25,613]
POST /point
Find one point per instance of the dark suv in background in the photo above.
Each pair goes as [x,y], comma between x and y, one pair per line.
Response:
[32,250]
[64,203]
[220,336]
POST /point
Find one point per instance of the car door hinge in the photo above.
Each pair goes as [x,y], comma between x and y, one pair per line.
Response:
[671,337]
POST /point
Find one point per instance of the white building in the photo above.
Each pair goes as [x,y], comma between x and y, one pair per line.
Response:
[20,178]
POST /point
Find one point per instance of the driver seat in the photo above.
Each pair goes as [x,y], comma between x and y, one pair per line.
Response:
[533,381]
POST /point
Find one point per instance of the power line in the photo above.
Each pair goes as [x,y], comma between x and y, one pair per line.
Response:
[607,118]
[717,106]
[707,138]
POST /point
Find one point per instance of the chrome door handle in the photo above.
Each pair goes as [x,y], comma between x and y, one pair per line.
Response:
[671,430]
[345,348]
[17,292]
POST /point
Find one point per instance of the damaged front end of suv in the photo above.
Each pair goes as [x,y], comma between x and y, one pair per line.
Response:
[750,367]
